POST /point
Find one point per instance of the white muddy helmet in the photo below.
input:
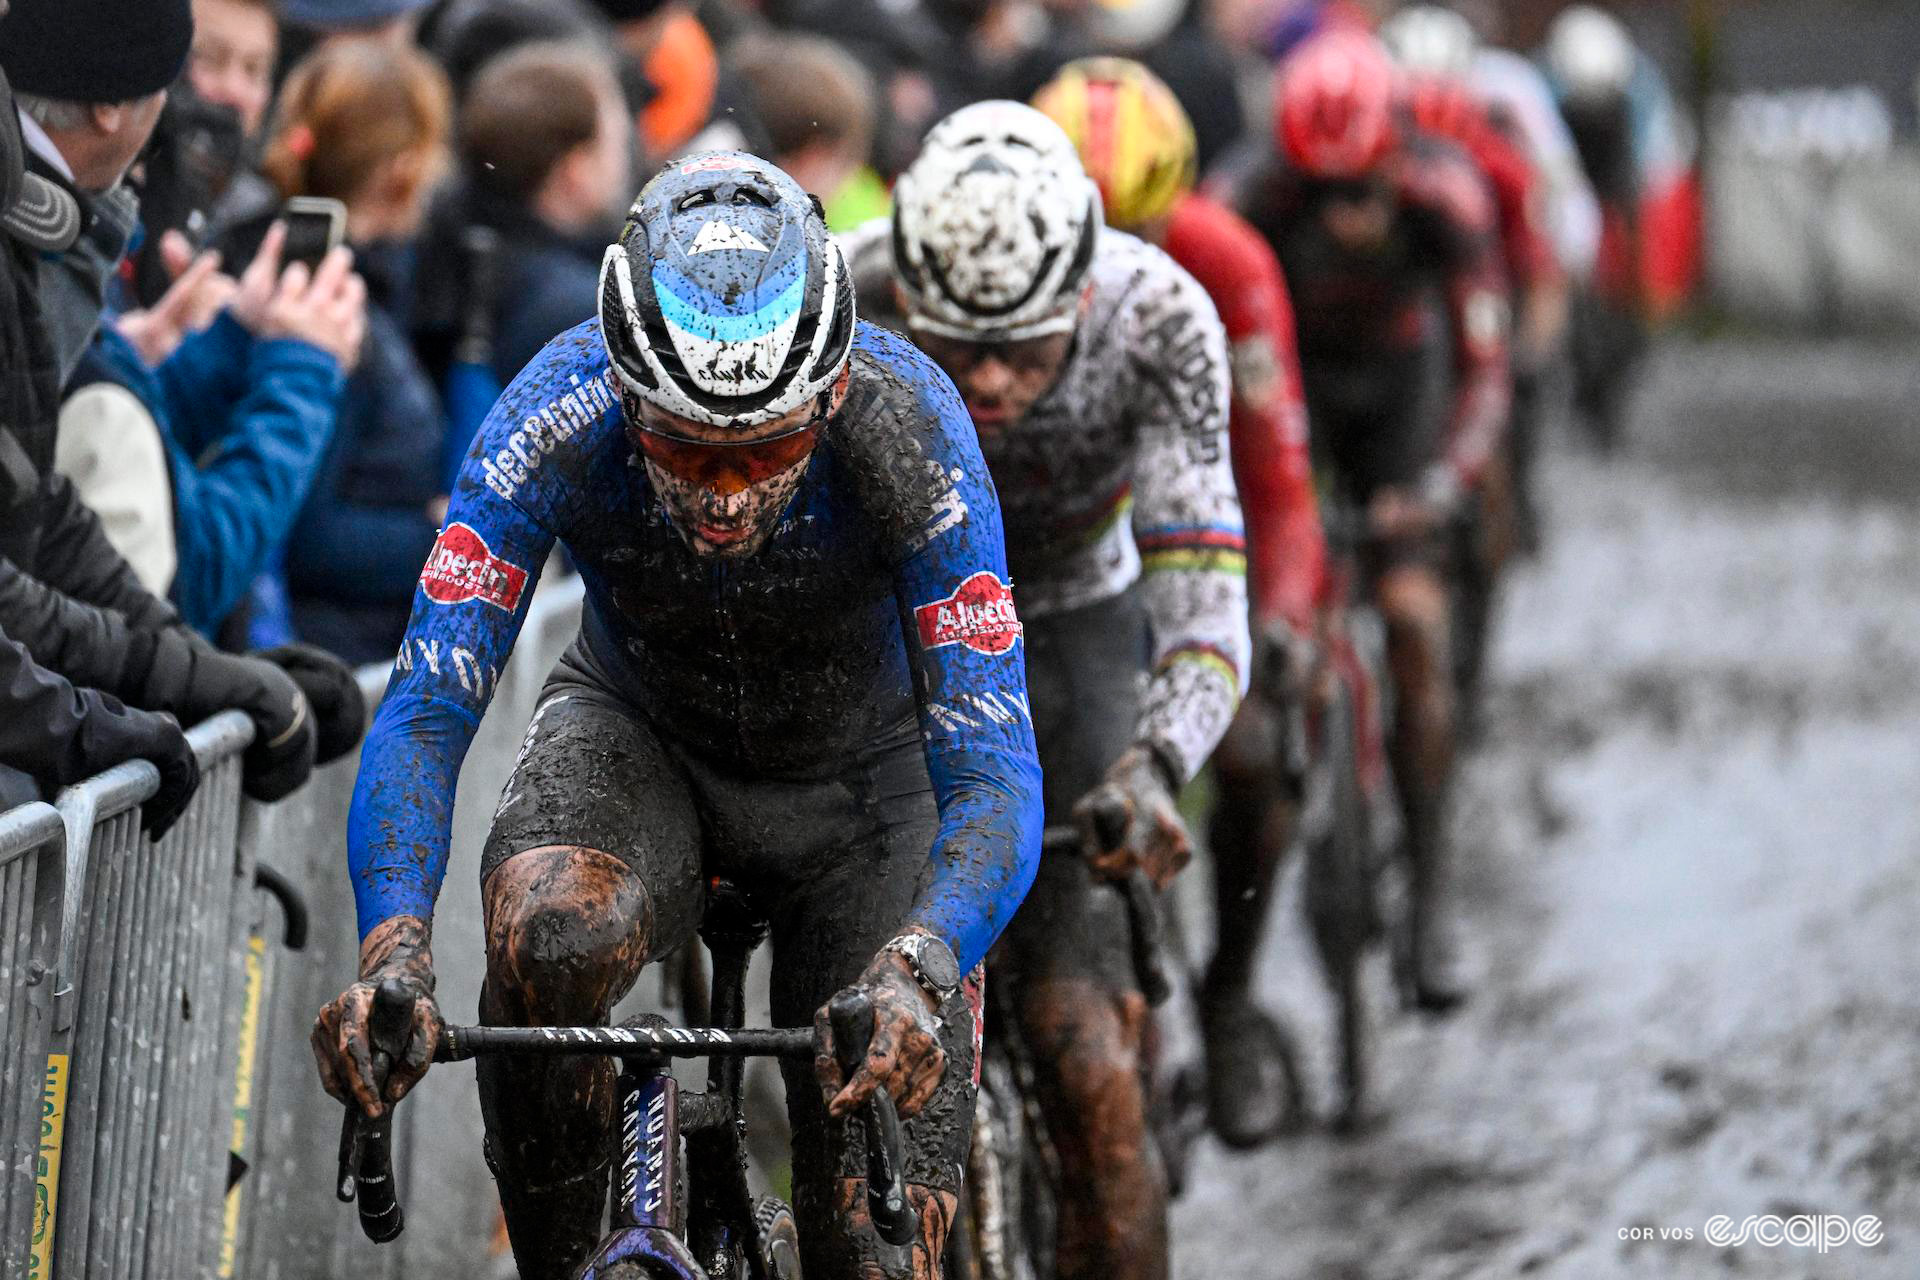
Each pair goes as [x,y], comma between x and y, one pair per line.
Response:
[994,226]
[1590,53]
[1429,40]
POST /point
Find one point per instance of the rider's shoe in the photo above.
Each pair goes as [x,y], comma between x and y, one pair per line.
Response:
[1436,974]
[1253,1081]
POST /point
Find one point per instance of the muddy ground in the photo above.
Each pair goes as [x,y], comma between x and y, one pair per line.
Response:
[1692,849]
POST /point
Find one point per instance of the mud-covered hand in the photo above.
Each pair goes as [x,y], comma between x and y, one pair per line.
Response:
[343,1046]
[1132,820]
[904,1057]
[333,694]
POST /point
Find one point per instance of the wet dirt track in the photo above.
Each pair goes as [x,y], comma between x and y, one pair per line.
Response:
[1691,842]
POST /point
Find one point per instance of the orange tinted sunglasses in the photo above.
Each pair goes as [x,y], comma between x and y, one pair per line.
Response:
[727,467]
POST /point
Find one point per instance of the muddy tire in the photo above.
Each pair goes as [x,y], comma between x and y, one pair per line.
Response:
[776,1238]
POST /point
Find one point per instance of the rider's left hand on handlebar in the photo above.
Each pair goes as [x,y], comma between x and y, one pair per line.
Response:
[904,1057]
[1132,820]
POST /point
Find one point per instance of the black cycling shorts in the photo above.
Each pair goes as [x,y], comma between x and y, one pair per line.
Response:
[832,865]
[1086,672]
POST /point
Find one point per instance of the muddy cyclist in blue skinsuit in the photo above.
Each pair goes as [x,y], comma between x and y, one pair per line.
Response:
[799,668]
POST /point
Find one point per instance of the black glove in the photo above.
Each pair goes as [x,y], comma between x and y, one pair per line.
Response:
[339,708]
[165,744]
[176,671]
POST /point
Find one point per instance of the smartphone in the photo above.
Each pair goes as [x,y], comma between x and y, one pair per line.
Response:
[315,224]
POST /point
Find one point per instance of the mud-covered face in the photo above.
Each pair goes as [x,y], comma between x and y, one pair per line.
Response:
[726,524]
[725,489]
[1000,381]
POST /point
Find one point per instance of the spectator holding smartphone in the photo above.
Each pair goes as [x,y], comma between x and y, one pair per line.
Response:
[237,412]
[366,123]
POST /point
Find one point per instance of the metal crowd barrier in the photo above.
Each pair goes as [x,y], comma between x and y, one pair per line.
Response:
[33,849]
[161,1116]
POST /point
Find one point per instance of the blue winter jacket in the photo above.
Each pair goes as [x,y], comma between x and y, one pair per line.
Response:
[244,423]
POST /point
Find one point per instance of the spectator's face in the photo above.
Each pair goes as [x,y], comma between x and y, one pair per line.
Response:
[120,135]
[232,61]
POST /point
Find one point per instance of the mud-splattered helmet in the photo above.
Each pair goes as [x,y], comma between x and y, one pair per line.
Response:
[994,226]
[725,301]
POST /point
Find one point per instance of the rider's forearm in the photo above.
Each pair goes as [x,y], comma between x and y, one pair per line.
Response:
[988,849]
[402,811]
[1201,655]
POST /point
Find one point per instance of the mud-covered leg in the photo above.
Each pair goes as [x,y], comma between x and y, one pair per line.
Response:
[568,929]
[1086,1040]
[1248,1091]
[592,868]
[1413,600]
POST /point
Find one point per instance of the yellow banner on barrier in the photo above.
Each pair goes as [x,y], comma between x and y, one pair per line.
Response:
[46,1169]
[243,1096]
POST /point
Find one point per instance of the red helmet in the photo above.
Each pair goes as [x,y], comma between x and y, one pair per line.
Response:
[1444,106]
[1333,107]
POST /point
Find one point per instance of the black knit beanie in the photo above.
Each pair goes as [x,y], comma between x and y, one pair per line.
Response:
[95,50]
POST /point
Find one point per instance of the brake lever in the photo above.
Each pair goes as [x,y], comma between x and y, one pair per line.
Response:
[366,1143]
[850,1014]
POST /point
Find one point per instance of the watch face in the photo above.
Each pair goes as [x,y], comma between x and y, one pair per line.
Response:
[937,964]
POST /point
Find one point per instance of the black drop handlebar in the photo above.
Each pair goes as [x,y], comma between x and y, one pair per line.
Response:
[366,1145]
[851,1015]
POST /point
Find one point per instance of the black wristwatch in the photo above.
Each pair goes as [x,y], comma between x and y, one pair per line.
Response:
[931,961]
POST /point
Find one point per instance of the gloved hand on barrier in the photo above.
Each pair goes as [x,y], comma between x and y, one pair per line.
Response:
[174,670]
[342,1039]
[333,694]
[1132,820]
[161,740]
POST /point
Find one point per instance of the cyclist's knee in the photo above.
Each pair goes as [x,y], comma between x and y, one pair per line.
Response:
[1089,1040]
[568,928]
[1413,599]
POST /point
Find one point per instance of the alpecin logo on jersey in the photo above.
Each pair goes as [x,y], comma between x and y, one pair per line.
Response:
[979,614]
[461,567]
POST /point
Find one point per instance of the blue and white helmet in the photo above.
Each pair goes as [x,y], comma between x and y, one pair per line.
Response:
[725,300]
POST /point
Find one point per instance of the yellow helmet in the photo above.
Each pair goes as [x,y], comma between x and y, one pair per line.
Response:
[1134,139]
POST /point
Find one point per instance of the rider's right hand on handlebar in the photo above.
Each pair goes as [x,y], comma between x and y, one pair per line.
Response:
[343,1039]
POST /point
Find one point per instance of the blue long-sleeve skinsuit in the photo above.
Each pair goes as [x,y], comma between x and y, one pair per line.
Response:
[881,595]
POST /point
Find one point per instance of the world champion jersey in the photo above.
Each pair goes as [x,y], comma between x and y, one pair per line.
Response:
[1121,473]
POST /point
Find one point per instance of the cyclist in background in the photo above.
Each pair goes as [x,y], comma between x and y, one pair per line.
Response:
[1440,102]
[1095,370]
[799,669]
[1136,144]
[1389,241]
